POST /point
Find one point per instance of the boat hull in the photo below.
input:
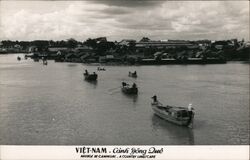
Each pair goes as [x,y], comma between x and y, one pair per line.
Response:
[127,90]
[132,75]
[169,117]
[101,69]
[90,77]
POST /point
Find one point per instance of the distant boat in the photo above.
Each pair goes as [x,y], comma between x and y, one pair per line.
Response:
[177,115]
[101,69]
[90,77]
[132,74]
[129,90]
[19,58]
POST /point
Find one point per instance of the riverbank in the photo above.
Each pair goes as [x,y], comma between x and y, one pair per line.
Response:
[135,62]
[143,52]
[189,61]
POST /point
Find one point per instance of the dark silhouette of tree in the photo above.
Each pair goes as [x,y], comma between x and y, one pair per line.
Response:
[145,39]
[91,43]
[72,43]
[41,45]
[132,47]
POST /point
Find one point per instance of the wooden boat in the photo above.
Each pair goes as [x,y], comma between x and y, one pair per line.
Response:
[129,90]
[90,77]
[177,115]
[101,69]
[132,74]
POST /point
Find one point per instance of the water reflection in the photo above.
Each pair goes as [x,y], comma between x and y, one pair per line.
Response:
[94,83]
[131,96]
[183,134]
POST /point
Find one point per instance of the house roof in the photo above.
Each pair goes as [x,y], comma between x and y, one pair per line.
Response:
[157,53]
[126,42]
[163,43]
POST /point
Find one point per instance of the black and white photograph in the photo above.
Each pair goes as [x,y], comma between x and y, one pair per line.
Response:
[124,72]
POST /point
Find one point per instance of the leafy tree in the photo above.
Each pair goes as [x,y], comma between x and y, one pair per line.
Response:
[145,39]
[41,45]
[91,43]
[72,43]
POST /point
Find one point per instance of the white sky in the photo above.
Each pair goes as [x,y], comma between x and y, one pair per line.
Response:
[120,19]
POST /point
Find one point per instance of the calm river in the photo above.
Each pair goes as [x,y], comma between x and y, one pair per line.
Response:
[53,105]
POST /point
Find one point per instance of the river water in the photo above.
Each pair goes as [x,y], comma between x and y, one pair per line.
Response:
[53,105]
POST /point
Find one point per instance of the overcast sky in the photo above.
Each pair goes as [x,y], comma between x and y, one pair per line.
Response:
[120,19]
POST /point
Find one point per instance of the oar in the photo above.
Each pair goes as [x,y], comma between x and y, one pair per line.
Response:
[113,92]
[114,88]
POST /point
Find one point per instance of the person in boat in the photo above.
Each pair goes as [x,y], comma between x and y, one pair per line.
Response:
[134,85]
[190,108]
[135,73]
[190,112]
[155,98]
[94,73]
[86,72]
[124,84]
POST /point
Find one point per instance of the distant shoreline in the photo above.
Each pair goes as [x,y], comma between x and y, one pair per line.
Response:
[151,61]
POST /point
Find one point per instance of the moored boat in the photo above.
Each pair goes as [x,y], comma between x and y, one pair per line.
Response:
[90,77]
[132,74]
[178,115]
[101,69]
[129,90]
